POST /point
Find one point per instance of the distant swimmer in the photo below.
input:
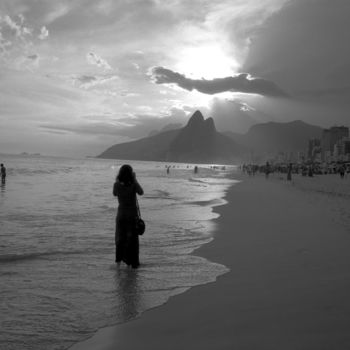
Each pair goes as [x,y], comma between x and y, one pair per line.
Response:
[289,172]
[3,173]
[267,170]
[310,171]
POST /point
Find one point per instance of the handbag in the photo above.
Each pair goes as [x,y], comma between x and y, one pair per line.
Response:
[140,225]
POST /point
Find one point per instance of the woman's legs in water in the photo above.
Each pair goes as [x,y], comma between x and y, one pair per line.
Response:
[126,243]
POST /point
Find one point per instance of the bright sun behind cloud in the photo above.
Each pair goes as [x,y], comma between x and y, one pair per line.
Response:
[207,62]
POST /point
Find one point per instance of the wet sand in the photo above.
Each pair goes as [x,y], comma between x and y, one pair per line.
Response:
[288,287]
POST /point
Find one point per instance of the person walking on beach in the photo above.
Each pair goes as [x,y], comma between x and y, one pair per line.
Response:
[3,173]
[310,171]
[267,170]
[289,173]
[126,188]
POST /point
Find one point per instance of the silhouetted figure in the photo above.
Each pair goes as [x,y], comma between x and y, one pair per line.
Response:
[342,171]
[289,173]
[195,169]
[254,170]
[126,187]
[168,170]
[249,169]
[267,170]
[3,173]
[310,171]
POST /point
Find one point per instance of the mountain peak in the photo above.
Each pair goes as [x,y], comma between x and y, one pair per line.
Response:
[210,124]
[196,119]
[200,142]
[197,142]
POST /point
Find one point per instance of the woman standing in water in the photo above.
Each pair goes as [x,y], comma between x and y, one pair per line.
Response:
[126,188]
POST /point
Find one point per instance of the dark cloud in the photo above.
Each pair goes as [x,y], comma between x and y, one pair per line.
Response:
[304,47]
[239,83]
[327,92]
[86,79]
[94,59]
[138,127]
[94,81]
[33,57]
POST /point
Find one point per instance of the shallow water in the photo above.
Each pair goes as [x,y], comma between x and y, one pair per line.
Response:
[59,283]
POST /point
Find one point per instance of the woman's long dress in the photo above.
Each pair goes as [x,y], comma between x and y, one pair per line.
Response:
[126,239]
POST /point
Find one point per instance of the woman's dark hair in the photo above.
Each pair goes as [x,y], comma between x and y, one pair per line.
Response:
[125,174]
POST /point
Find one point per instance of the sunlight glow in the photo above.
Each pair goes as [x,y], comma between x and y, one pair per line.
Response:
[201,101]
[207,62]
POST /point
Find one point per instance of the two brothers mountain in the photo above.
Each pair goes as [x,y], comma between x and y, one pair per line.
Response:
[200,142]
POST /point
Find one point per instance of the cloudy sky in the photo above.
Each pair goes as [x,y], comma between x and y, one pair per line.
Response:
[77,76]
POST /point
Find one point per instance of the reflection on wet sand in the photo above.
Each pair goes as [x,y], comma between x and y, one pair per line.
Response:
[128,293]
[3,186]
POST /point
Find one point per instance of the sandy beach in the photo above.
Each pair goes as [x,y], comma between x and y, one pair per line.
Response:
[287,246]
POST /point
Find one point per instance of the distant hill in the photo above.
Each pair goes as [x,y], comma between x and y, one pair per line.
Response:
[273,137]
[200,142]
[167,127]
[197,142]
[148,148]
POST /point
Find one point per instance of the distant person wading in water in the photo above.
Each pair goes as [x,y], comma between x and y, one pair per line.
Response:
[3,173]
[267,170]
[126,189]
[289,172]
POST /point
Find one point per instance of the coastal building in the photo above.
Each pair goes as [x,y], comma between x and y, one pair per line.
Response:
[342,149]
[337,133]
[326,141]
[327,156]
[314,148]
[301,157]
[346,146]
[330,139]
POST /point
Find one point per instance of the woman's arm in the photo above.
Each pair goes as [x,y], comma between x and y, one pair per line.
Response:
[138,188]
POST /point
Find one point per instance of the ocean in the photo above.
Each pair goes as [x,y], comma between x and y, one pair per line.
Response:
[59,282]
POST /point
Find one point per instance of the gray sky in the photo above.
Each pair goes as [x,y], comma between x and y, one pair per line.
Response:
[77,76]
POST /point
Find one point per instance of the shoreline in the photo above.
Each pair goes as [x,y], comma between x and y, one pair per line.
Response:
[234,175]
[287,286]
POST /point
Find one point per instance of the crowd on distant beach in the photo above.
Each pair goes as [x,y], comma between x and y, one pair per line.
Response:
[195,168]
[304,169]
